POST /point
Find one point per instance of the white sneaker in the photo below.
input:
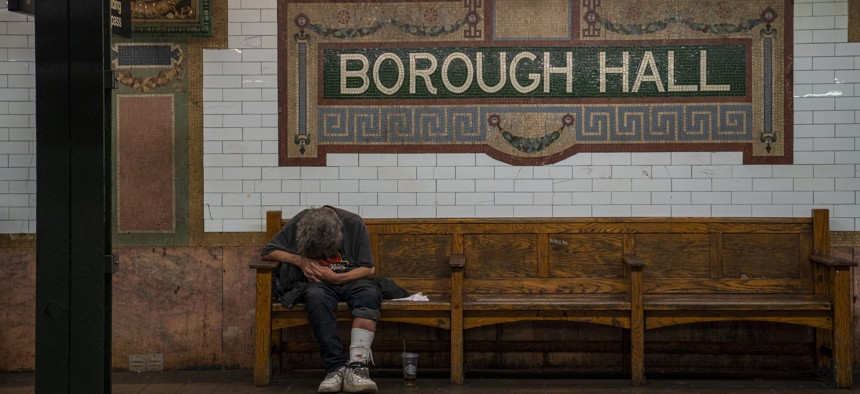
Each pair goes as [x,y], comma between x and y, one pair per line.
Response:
[357,380]
[333,382]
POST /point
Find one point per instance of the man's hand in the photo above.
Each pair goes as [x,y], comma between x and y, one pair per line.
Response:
[316,272]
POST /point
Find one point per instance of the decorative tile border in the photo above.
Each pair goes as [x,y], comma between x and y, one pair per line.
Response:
[674,75]
[135,64]
[853,21]
[153,86]
[160,18]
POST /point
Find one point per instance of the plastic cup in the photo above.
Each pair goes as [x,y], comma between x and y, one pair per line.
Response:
[410,368]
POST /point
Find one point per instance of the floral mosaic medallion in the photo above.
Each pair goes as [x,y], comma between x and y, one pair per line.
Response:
[533,83]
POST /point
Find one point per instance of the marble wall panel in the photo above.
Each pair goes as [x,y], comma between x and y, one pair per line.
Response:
[169,301]
[239,292]
[17,309]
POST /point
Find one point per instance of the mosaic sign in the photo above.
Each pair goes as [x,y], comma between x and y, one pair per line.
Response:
[532,83]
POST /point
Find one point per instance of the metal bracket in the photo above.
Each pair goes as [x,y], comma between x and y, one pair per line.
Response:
[112,79]
[111,264]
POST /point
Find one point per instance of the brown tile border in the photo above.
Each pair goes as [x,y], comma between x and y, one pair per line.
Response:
[145,166]
[853,21]
[845,238]
[17,240]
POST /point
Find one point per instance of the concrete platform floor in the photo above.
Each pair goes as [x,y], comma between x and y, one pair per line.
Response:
[194,382]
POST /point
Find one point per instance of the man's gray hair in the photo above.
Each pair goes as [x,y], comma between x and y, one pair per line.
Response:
[319,233]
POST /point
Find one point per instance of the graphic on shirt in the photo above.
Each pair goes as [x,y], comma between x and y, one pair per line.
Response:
[336,263]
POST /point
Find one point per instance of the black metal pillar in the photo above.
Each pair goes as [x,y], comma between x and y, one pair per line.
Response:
[73,304]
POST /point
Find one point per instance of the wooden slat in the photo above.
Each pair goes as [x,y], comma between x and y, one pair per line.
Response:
[673,318]
[426,286]
[438,302]
[676,256]
[543,255]
[413,255]
[716,255]
[762,256]
[734,302]
[483,318]
[545,287]
[551,302]
[496,255]
[739,286]
[585,256]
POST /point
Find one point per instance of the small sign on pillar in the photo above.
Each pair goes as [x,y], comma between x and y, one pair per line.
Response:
[120,18]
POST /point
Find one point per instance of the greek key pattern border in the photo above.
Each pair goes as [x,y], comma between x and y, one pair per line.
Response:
[717,123]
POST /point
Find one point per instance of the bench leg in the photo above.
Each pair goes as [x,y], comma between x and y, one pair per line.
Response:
[843,338]
[637,327]
[637,355]
[457,347]
[263,334]
[263,354]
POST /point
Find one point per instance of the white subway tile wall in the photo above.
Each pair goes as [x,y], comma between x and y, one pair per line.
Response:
[242,179]
[587,184]
[17,124]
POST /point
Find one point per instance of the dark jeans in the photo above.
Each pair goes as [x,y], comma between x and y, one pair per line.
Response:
[321,299]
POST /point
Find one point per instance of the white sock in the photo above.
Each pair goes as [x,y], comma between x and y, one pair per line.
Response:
[359,346]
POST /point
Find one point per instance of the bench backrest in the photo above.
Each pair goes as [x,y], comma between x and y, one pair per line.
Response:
[542,256]
[585,255]
[727,255]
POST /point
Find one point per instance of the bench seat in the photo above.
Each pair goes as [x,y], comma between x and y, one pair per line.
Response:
[433,313]
[437,303]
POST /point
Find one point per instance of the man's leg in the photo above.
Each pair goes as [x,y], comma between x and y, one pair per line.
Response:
[361,337]
[321,301]
[364,299]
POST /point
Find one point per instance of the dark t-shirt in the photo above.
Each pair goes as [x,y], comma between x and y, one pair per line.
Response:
[354,252]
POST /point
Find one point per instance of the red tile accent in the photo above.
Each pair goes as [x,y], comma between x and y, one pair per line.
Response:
[145,164]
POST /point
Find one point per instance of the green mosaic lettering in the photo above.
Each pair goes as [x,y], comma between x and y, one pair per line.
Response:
[535,72]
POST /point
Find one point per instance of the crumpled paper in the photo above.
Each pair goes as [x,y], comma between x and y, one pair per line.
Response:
[419,296]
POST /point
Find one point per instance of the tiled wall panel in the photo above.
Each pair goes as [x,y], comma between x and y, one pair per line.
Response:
[17,124]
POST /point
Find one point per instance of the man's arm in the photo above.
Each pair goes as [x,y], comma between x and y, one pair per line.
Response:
[353,274]
[315,271]
[310,268]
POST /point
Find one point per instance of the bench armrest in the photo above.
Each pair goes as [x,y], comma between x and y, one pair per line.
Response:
[264,265]
[633,262]
[457,261]
[831,261]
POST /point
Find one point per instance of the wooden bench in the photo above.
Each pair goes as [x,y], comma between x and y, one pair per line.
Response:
[761,269]
[630,273]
